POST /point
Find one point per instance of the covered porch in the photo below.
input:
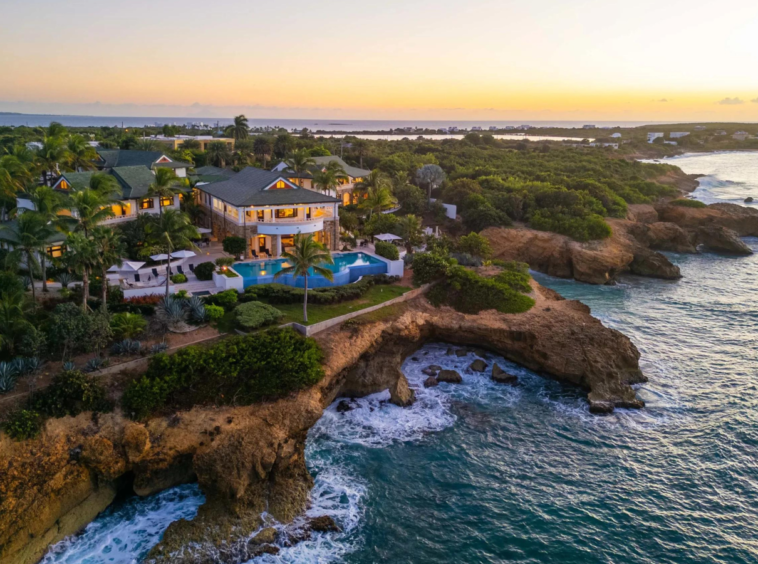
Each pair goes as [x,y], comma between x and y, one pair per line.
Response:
[265,246]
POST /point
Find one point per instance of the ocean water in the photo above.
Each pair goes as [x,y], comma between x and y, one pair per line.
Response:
[729,176]
[482,472]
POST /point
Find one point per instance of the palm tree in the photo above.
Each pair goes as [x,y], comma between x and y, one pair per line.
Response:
[28,235]
[171,231]
[218,153]
[361,147]
[110,248]
[239,129]
[80,154]
[52,153]
[376,181]
[14,177]
[409,228]
[47,204]
[378,199]
[13,322]
[146,144]
[190,145]
[92,205]
[300,162]
[83,258]
[165,185]
[307,254]
[431,175]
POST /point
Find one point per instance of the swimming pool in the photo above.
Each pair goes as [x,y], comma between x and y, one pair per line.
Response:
[347,268]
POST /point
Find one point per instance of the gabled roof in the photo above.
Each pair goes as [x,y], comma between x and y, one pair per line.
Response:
[122,157]
[134,180]
[353,171]
[214,171]
[249,188]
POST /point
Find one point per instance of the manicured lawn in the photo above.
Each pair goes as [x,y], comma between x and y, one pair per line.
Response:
[316,313]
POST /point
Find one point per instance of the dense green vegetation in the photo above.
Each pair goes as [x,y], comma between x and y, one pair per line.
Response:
[386,250]
[280,294]
[687,203]
[254,315]
[238,370]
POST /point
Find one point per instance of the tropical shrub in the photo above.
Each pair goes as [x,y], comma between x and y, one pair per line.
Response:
[171,311]
[579,228]
[254,315]
[476,245]
[242,370]
[387,250]
[70,393]
[126,347]
[281,294]
[468,292]
[196,309]
[128,325]
[158,348]
[205,270]
[178,278]
[23,424]
[687,203]
[226,299]
[234,245]
[213,312]
[428,267]
[224,261]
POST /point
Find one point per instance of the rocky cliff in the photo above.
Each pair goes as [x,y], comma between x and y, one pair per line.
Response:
[247,459]
[634,243]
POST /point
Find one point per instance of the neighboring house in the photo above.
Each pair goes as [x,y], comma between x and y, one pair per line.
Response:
[616,136]
[476,128]
[678,134]
[55,243]
[135,183]
[653,136]
[740,135]
[700,128]
[34,145]
[174,143]
[589,126]
[347,184]
[267,210]
[112,158]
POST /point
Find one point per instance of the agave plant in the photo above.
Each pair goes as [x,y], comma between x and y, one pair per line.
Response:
[126,347]
[19,365]
[196,309]
[65,278]
[7,383]
[93,364]
[158,348]
[33,365]
[69,366]
[26,281]
[171,311]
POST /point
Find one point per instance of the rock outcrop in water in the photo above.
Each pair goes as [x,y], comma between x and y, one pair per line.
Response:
[250,459]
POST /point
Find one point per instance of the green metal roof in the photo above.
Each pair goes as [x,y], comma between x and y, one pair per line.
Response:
[248,188]
[353,171]
[135,181]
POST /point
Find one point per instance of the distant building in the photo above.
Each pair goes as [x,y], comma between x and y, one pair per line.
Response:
[611,145]
[589,127]
[678,134]
[740,135]
[476,128]
[494,128]
[670,143]
[175,143]
[653,136]
[700,128]
[720,132]
[616,136]
[34,145]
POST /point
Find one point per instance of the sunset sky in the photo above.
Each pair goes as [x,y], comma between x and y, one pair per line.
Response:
[393,59]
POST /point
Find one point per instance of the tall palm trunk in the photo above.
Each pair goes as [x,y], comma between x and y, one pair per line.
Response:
[29,262]
[43,268]
[305,300]
[168,271]
[104,305]
[85,289]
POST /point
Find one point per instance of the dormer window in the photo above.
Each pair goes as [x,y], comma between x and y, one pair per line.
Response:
[280,184]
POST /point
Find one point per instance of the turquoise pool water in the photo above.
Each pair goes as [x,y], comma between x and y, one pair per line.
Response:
[347,268]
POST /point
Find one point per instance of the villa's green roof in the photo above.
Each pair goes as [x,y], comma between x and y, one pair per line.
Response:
[122,157]
[353,171]
[135,181]
[7,234]
[248,188]
[78,179]
[210,170]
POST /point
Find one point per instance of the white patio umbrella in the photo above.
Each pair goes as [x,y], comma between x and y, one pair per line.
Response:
[175,254]
[204,230]
[127,266]
[387,237]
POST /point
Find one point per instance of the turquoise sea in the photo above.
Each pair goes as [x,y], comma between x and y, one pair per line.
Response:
[489,473]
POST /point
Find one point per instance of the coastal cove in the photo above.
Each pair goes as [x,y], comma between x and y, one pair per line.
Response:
[524,474]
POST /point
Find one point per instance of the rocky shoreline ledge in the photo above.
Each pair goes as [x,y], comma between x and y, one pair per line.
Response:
[248,460]
[634,244]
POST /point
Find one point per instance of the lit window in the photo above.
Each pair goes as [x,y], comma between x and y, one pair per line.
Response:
[64,185]
[146,204]
[290,212]
[281,184]
[56,251]
[166,202]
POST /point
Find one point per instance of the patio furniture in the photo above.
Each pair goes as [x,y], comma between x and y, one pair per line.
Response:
[192,267]
[136,277]
[179,269]
[155,272]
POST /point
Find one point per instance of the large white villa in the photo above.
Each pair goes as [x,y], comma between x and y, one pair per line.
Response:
[267,209]
[345,194]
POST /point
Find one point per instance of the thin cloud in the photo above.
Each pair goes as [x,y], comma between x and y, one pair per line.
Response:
[731,101]
[662,100]
[754,100]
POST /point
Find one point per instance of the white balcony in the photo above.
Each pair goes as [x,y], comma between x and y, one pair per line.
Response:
[290,226]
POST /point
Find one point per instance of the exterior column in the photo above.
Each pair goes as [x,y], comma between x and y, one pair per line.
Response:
[277,244]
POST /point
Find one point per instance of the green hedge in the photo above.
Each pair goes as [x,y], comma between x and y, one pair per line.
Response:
[238,370]
[428,267]
[204,271]
[281,294]
[254,315]
[387,250]
[687,203]
[226,299]
[468,292]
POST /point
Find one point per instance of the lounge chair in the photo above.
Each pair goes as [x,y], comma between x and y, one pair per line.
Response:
[136,277]
[179,269]
[192,267]
[155,272]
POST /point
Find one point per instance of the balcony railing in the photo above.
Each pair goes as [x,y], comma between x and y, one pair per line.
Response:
[120,218]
